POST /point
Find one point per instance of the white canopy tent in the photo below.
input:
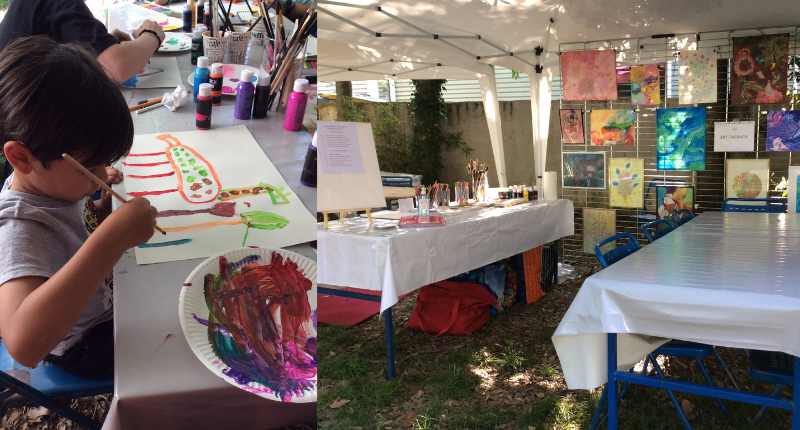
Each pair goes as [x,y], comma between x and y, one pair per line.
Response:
[464,39]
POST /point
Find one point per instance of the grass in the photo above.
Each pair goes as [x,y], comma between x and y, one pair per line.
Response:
[505,376]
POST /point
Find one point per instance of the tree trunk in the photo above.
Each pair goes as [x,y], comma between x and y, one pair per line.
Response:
[344,94]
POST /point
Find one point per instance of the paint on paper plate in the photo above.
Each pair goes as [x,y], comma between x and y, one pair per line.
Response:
[746,178]
[583,170]
[598,224]
[612,126]
[572,126]
[589,75]
[759,69]
[697,82]
[673,202]
[681,139]
[645,85]
[783,131]
[625,178]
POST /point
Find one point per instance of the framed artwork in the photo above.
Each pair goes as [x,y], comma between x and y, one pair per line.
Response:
[572,126]
[671,201]
[783,131]
[589,75]
[736,136]
[583,170]
[746,178]
[625,182]
[645,85]
[681,139]
[759,69]
[697,77]
[794,178]
[598,224]
[613,126]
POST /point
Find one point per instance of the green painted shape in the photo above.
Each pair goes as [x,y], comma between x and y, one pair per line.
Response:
[263,220]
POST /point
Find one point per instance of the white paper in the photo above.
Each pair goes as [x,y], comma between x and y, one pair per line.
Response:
[339,149]
[161,72]
[405,205]
[736,136]
[233,160]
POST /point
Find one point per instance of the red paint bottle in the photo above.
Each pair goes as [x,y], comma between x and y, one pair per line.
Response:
[203,112]
[215,78]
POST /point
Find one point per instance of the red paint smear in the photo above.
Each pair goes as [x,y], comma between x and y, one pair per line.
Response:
[159,175]
[146,154]
[151,193]
[160,163]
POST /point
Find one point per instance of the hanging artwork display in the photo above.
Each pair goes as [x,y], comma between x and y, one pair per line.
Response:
[671,201]
[613,126]
[737,136]
[794,178]
[783,131]
[589,75]
[625,179]
[681,139]
[746,178]
[759,69]
[572,126]
[697,77]
[598,224]
[215,190]
[583,170]
[645,85]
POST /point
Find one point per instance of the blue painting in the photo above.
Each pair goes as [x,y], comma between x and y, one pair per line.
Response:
[783,131]
[681,139]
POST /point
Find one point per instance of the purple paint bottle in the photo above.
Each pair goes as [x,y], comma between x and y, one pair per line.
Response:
[245,92]
[296,106]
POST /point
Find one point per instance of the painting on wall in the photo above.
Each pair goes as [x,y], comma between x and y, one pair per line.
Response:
[572,126]
[613,126]
[759,69]
[598,224]
[697,77]
[794,179]
[783,131]
[645,85]
[625,179]
[746,178]
[681,139]
[672,202]
[583,170]
[589,75]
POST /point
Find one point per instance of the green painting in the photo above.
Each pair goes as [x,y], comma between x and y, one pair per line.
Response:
[681,139]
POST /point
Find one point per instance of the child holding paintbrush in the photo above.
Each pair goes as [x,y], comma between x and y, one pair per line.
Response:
[54,303]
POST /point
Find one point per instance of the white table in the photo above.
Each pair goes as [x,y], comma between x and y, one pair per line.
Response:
[158,380]
[399,261]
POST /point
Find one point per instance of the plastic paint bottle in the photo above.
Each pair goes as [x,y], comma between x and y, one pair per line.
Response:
[200,11]
[262,95]
[203,108]
[197,42]
[200,74]
[207,17]
[215,78]
[309,175]
[245,92]
[187,18]
[296,106]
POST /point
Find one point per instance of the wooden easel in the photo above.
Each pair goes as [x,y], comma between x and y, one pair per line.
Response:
[342,213]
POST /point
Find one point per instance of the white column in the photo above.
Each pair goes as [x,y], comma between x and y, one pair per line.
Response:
[491,108]
[541,99]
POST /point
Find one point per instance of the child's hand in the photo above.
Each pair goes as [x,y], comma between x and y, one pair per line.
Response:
[113,176]
[132,224]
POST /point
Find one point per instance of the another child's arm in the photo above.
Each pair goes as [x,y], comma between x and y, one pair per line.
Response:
[125,59]
[36,313]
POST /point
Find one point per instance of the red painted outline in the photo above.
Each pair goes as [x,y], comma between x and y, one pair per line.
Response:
[151,193]
[146,154]
[173,142]
[160,163]
[159,175]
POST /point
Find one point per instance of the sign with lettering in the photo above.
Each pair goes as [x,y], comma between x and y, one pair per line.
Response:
[738,136]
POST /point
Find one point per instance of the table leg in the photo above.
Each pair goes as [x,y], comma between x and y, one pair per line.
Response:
[611,386]
[388,337]
[796,395]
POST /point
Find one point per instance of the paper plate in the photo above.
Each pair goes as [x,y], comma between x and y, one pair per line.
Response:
[291,375]
[230,77]
[176,42]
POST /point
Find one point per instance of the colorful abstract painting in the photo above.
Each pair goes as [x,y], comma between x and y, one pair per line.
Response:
[681,139]
[645,85]
[598,224]
[583,170]
[613,126]
[572,126]
[589,75]
[625,179]
[783,131]
[746,178]
[759,69]
[697,77]
[672,202]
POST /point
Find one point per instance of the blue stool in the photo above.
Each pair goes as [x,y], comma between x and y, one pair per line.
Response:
[773,368]
[656,229]
[745,205]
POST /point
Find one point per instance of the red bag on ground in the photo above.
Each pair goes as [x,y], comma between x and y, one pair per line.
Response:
[447,307]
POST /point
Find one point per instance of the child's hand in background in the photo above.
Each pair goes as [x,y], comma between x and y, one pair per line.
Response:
[113,175]
[132,224]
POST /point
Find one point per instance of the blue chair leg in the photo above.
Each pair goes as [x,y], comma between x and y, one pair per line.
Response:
[388,335]
[710,382]
[724,367]
[678,408]
[41,399]
[775,393]
[599,412]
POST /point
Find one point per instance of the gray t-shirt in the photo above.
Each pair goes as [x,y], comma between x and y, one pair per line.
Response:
[39,235]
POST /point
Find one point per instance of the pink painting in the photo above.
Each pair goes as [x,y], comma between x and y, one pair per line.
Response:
[589,75]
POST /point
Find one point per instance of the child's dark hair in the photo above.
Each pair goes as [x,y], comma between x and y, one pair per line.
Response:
[56,98]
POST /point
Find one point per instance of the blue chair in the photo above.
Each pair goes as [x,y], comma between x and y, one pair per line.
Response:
[656,229]
[397,181]
[745,205]
[631,245]
[773,368]
[682,216]
[49,386]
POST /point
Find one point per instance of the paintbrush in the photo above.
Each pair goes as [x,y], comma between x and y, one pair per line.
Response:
[144,104]
[99,182]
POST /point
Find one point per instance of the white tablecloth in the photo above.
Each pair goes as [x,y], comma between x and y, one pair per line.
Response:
[399,261]
[728,279]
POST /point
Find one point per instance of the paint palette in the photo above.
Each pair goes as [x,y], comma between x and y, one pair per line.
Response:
[230,77]
[249,315]
[176,42]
